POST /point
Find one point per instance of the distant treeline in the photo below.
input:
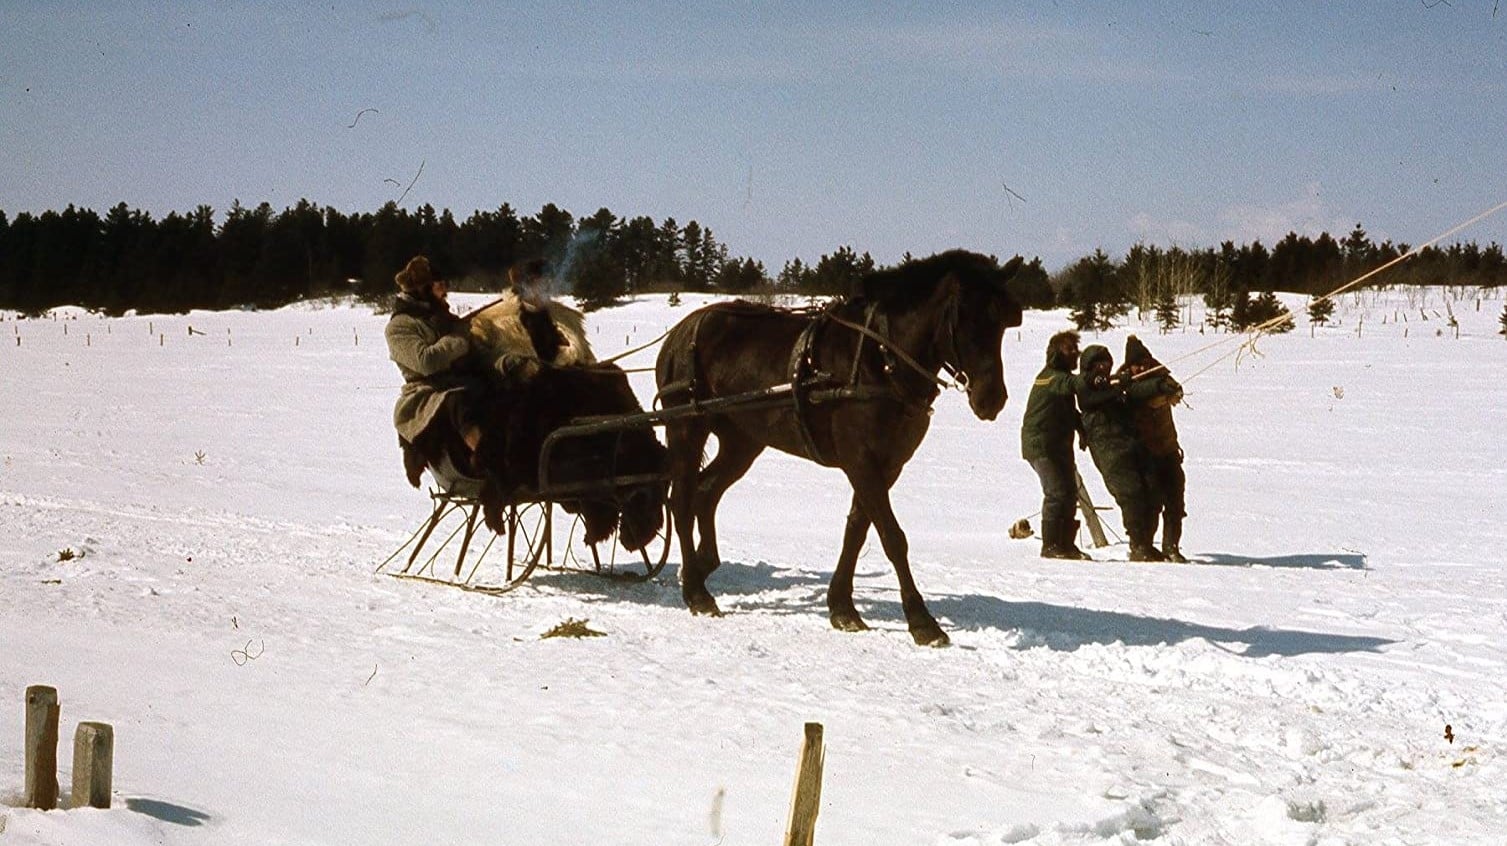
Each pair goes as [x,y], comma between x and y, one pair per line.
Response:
[1237,283]
[127,259]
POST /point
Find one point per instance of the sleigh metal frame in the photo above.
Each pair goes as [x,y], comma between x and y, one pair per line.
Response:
[455,521]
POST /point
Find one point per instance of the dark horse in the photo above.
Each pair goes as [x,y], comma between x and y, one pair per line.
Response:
[862,377]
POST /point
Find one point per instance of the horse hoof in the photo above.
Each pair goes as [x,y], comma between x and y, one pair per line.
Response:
[931,636]
[703,606]
[848,621]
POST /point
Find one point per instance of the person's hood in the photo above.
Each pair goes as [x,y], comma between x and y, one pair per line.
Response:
[1136,352]
[1091,354]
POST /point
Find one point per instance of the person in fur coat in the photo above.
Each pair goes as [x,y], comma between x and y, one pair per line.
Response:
[525,329]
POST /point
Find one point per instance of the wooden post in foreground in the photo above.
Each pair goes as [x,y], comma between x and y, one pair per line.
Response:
[808,789]
[93,759]
[1090,516]
[41,748]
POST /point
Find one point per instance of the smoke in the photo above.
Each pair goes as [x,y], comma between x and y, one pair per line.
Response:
[578,247]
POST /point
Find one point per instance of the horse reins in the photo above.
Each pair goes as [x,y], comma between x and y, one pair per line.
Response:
[958,375]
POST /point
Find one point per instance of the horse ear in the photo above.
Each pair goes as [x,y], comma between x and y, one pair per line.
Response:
[1011,268]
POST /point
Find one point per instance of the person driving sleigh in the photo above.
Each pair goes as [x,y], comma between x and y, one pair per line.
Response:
[438,401]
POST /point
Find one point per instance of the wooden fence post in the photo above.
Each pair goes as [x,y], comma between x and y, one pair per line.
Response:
[808,789]
[93,759]
[41,747]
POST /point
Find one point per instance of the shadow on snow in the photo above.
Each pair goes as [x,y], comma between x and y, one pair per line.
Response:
[1313,561]
[1066,628]
[167,812]
[766,589]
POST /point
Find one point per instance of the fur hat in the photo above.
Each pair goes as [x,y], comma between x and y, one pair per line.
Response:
[414,277]
[1136,352]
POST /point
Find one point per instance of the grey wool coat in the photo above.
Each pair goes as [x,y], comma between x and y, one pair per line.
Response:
[421,351]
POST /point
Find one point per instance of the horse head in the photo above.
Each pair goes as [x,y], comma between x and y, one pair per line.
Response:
[979,310]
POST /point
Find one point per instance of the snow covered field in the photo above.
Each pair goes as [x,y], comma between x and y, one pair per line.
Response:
[228,495]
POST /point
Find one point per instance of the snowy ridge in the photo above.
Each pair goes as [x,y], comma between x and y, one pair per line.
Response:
[227,497]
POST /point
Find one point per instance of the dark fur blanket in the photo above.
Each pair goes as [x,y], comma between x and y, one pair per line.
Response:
[517,419]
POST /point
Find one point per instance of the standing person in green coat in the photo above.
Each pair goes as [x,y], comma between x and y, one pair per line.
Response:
[1046,441]
[1153,423]
[1122,459]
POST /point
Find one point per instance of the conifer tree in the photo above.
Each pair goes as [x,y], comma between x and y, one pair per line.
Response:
[1320,310]
[1266,308]
[1085,317]
[1167,312]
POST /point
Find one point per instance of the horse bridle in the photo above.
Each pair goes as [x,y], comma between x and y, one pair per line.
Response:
[954,368]
[958,376]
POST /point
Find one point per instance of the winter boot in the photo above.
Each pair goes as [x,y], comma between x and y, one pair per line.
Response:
[1141,548]
[1070,541]
[413,463]
[1050,546]
[1057,540]
[1172,533]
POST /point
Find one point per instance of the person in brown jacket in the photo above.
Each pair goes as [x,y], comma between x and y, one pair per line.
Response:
[1154,427]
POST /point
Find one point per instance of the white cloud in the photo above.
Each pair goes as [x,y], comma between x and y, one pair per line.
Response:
[1153,230]
[1323,85]
[1306,215]
[1003,48]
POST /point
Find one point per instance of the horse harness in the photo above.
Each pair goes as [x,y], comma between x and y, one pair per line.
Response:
[810,386]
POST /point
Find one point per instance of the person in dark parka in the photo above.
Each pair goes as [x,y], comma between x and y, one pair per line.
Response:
[1046,441]
[1153,423]
[1123,461]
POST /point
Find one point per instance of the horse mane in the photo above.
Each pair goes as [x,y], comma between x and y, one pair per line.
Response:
[909,283]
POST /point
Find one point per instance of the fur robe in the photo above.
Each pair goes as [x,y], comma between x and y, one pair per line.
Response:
[515,326]
[534,401]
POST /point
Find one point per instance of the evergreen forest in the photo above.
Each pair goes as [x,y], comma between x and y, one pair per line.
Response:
[259,257]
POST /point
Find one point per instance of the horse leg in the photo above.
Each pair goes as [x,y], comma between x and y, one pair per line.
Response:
[685,442]
[735,454]
[840,608]
[872,492]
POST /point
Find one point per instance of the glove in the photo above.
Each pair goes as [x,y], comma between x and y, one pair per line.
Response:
[457,345]
[517,368]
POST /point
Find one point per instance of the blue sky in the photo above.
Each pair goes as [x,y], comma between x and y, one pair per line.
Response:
[1043,128]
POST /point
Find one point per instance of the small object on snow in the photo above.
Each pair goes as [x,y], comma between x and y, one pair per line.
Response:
[572,627]
[1449,733]
[242,657]
[716,814]
[1021,529]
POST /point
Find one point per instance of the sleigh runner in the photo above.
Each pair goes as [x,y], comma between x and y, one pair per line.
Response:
[527,531]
